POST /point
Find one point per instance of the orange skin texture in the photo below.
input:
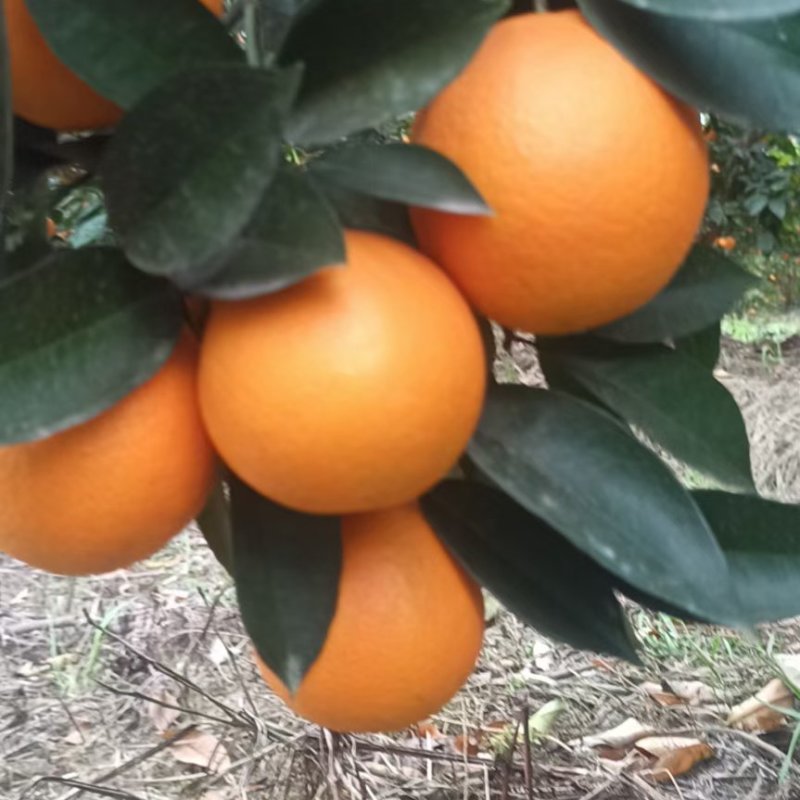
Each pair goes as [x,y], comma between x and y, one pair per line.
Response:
[406,632]
[115,489]
[356,389]
[45,91]
[598,179]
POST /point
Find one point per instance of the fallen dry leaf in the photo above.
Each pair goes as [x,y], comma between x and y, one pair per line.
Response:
[468,745]
[163,718]
[543,655]
[693,693]
[218,653]
[757,714]
[77,734]
[679,693]
[658,746]
[679,762]
[655,691]
[612,753]
[790,664]
[427,730]
[623,735]
[202,750]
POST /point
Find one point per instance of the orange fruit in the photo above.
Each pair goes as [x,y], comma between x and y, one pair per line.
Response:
[405,634]
[354,390]
[45,91]
[115,489]
[727,243]
[597,177]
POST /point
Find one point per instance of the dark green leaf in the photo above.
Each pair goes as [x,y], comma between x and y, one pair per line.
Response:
[703,346]
[214,522]
[6,131]
[361,212]
[293,233]
[366,62]
[777,205]
[404,173]
[124,51]
[673,399]
[704,289]
[286,566]
[655,604]
[719,10]
[719,67]
[761,540]
[188,167]
[275,18]
[77,334]
[530,568]
[755,204]
[582,472]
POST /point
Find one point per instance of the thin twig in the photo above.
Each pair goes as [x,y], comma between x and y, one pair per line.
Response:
[31,626]
[102,791]
[528,764]
[242,719]
[509,763]
[136,695]
[133,762]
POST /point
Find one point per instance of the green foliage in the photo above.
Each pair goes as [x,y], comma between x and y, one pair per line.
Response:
[211,184]
[755,208]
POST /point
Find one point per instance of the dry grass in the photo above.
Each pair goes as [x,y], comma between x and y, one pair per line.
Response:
[75,719]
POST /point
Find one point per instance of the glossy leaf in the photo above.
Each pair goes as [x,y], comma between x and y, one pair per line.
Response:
[578,469]
[761,540]
[673,399]
[366,62]
[275,19]
[714,66]
[704,346]
[294,233]
[699,295]
[214,522]
[286,566]
[188,167]
[77,334]
[404,173]
[531,569]
[362,212]
[124,51]
[719,10]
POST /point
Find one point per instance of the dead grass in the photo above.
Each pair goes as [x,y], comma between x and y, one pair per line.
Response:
[77,717]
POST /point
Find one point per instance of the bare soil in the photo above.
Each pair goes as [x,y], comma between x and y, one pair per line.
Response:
[84,665]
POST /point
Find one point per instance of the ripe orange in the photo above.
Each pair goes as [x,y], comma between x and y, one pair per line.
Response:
[112,490]
[354,390]
[726,243]
[45,92]
[405,634]
[597,177]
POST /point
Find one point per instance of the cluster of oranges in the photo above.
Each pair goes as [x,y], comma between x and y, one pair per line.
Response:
[355,391]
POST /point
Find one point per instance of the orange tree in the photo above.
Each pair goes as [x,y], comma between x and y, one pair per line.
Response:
[372,469]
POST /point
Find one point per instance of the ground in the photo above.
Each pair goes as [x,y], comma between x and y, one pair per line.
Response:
[80,658]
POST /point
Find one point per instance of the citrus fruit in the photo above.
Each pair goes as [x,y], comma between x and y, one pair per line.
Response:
[597,177]
[45,92]
[115,489]
[354,390]
[405,634]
